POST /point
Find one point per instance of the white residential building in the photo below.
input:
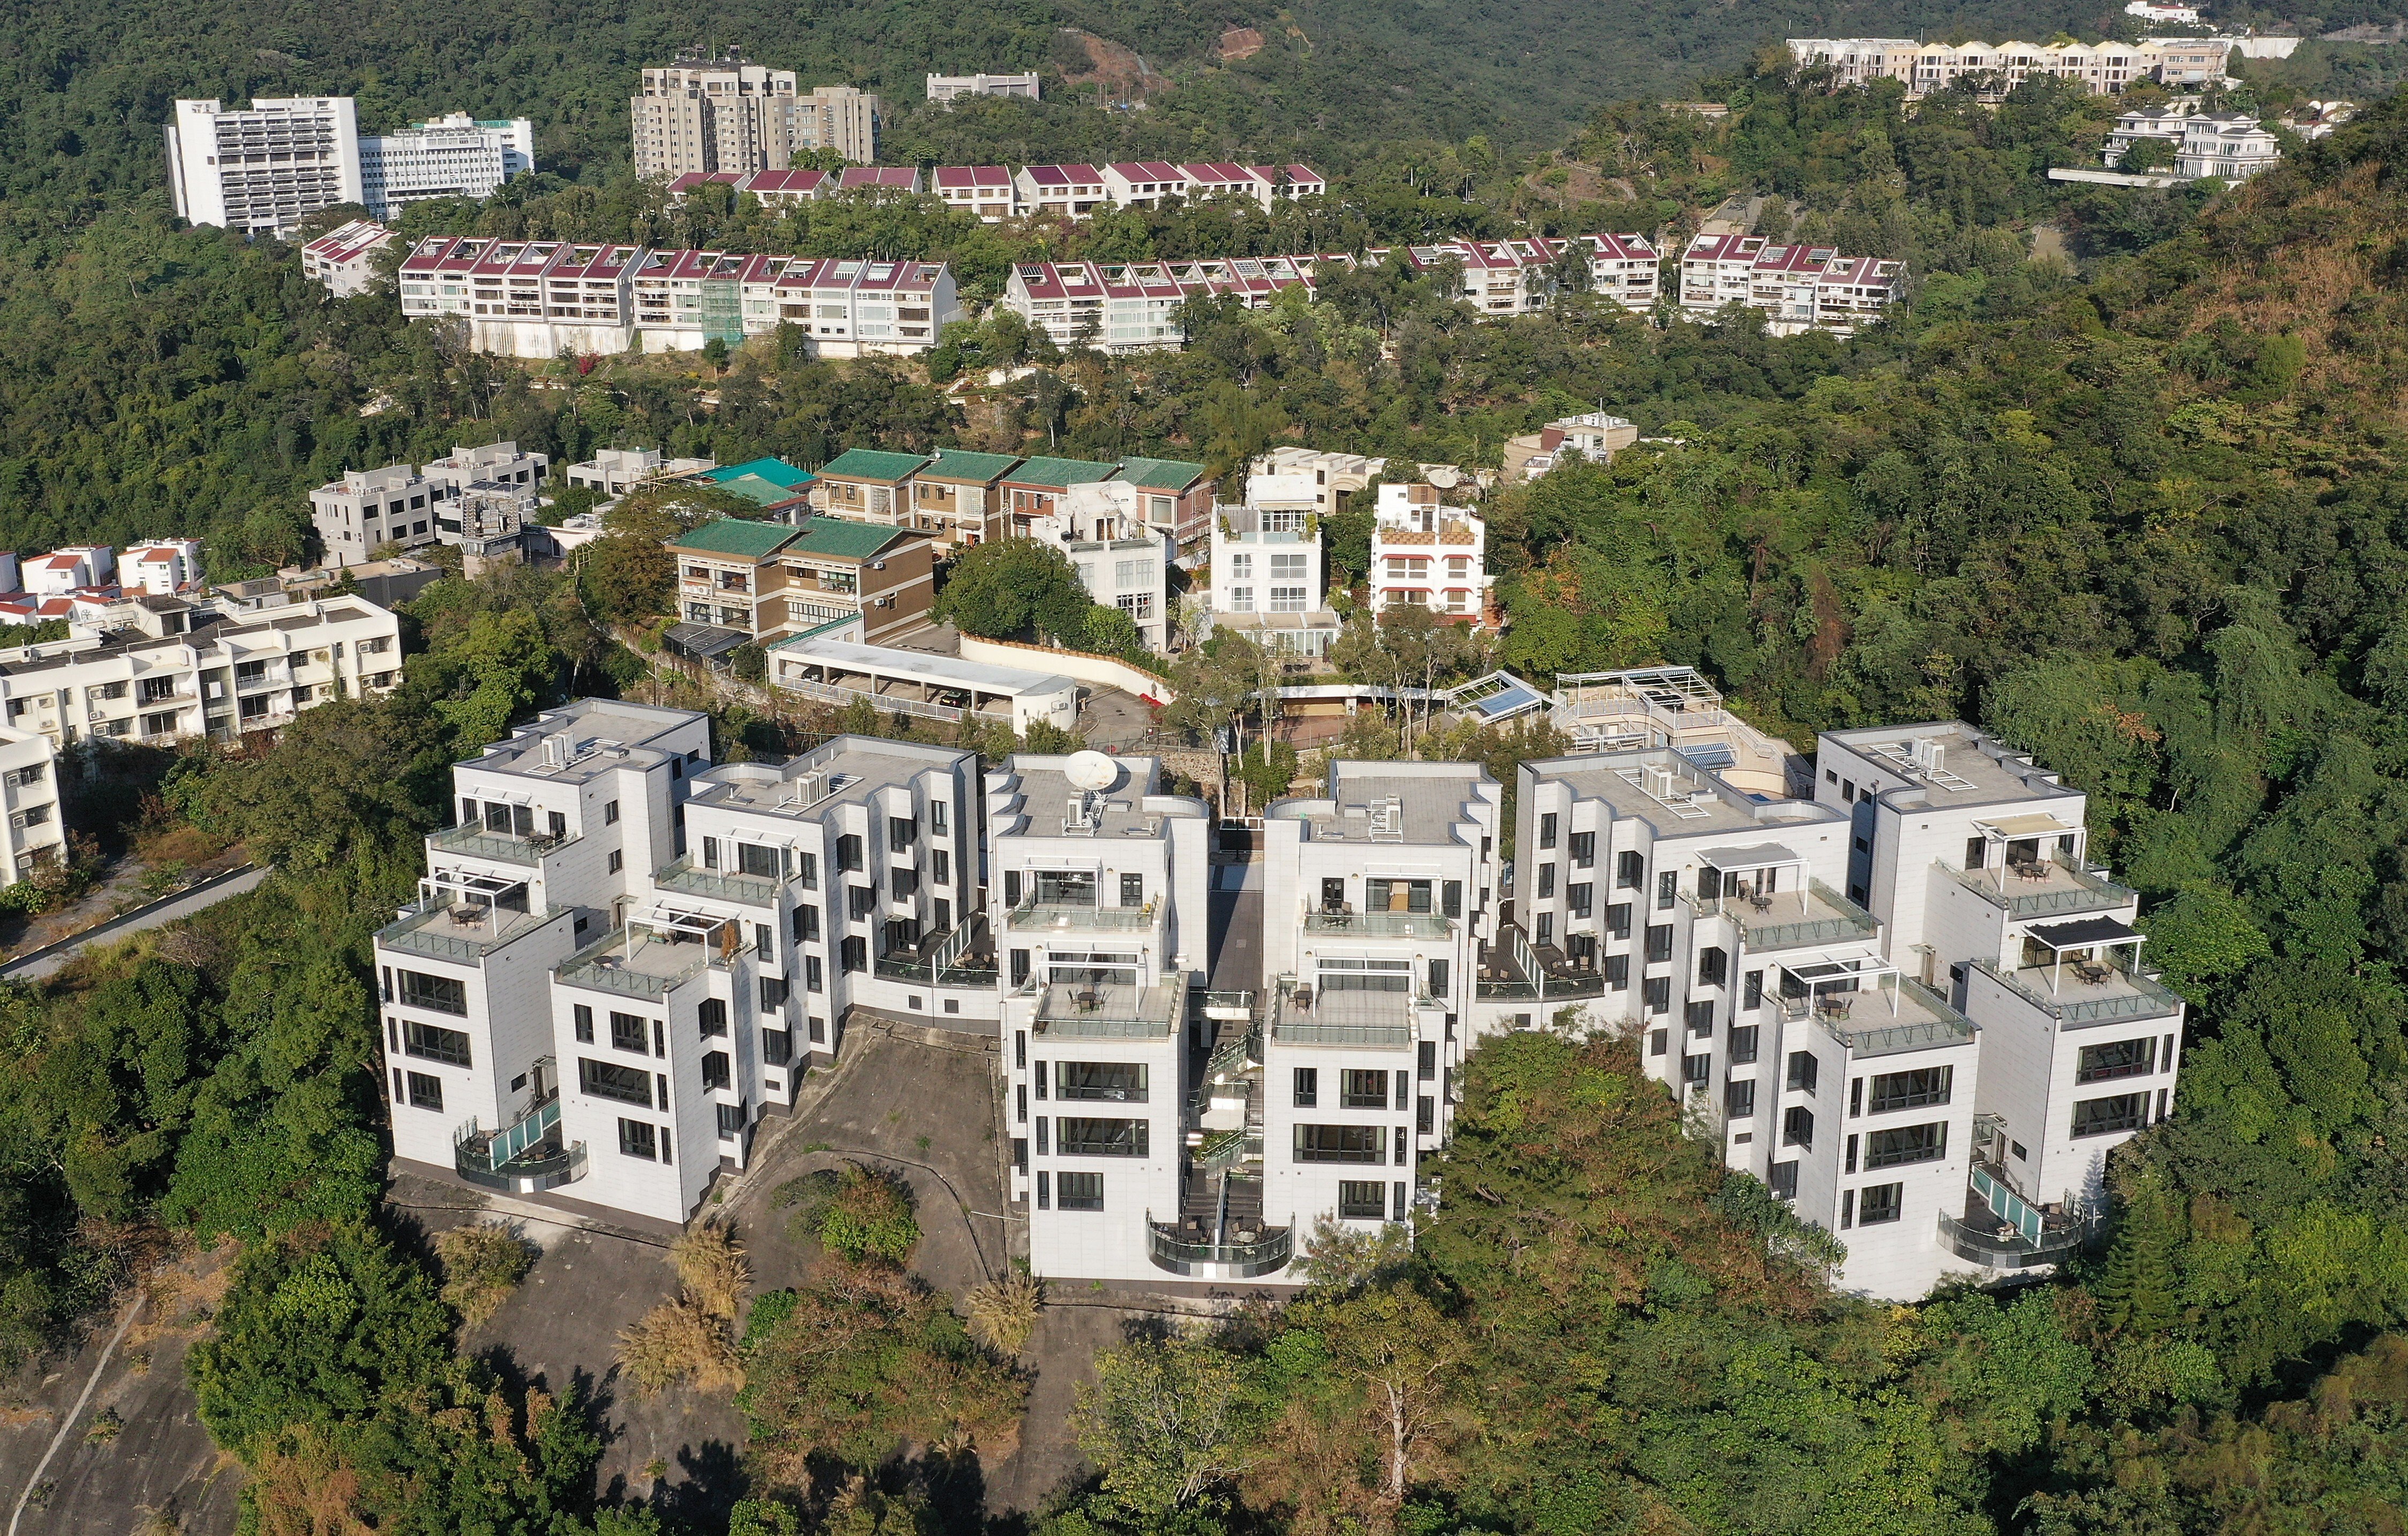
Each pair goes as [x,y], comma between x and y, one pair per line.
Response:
[1995,69]
[1122,560]
[623,957]
[30,795]
[265,168]
[1595,435]
[986,191]
[945,90]
[162,566]
[1427,554]
[1901,994]
[535,299]
[1335,475]
[2174,15]
[344,258]
[451,156]
[616,471]
[2231,146]
[1799,288]
[1270,576]
[167,669]
[368,509]
[1102,927]
[2166,123]
[69,569]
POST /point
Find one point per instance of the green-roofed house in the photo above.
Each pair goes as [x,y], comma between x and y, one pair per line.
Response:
[728,574]
[1175,498]
[776,471]
[1034,490]
[834,568]
[864,485]
[958,497]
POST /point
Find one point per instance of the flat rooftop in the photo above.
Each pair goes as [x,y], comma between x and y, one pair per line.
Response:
[1427,807]
[1122,810]
[847,770]
[601,733]
[1674,796]
[1975,768]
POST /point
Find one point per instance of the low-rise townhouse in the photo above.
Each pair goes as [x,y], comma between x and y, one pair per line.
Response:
[866,485]
[1427,554]
[1071,191]
[986,191]
[958,497]
[344,258]
[622,956]
[769,580]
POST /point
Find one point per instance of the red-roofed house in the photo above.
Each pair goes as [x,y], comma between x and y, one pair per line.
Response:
[342,258]
[893,178]
[1143,184]
[1291,181]
[1073,191]
[1206,178]
[1714,271]
[161,567]
[787,188]
[986,191]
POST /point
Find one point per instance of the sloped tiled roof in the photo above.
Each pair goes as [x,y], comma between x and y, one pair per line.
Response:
[734,536]
[870,464]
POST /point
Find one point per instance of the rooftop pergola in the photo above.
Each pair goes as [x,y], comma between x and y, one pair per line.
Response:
[2087,942]
[2005,832]
[1755,874]
[1831,981]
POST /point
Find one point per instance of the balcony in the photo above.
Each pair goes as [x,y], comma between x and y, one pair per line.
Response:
[1880,1021]
[1380,1021]
[2091,994]
[748,890]
[1787,920]
[1032,916]
[960,956]
[461,931]
[1379,924]
[476,842]
[1107,1010]
[1267,1253]
[2002,1231]
[2044,889]
[523,1158]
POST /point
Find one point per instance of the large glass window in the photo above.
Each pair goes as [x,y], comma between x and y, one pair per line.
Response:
[752,858]
[1120,1081]
[630,1032]
[1798,1127]
[1911,1090]
[1066,887]
[2116,1058]
[1396,896]
[609,1080]
[1880,1202]
[2106,1116]
[425,1091]
[1340,1144]
[1363,1088]
[1902,1145]
[1362,1199]
[436,994]
[640,1138]
[1079,1191]
[1076,1138]
[434,1043]
[1337,974]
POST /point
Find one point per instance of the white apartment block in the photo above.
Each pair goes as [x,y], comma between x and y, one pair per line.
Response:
[1270,579]
[161,566]
[622,956]
[30,794]
[265,168]
[724,114]
[1900,994]
[1427,554]
[1799,288]
[368,509]
[1122,560]
[344,258]
[1102,927]
[166,671]
[2231,146]
[535,299]
[945,90]
[1998,68]
[451,156]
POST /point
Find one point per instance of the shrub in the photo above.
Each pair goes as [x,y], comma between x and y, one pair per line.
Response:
[675,1340]
[482,1264]
[1003,1312]
[855,1211]
[711,1267]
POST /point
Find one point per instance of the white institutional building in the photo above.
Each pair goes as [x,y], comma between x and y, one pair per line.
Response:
[1888,980]
[263,168]
[452,156]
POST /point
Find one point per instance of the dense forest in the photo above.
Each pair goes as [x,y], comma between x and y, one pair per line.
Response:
[2140,507]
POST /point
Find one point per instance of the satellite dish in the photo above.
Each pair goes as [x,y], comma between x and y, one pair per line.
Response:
[1446,477]
[1091,771]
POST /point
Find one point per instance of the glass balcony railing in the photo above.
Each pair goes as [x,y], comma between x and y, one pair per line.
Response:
[752,890]
[1379,924]
[2049,889]
[1266,1254]
[1035,916]
[476,842]
[462,931]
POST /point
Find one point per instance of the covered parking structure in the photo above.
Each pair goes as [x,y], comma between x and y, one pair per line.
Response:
[916,682]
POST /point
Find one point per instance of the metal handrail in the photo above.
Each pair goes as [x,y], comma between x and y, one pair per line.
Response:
[2148,1000]
[1380,924]
[1054,915]
[2095,895]
[1268,1254]
[477,842]
[1853,922]
[752,890]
